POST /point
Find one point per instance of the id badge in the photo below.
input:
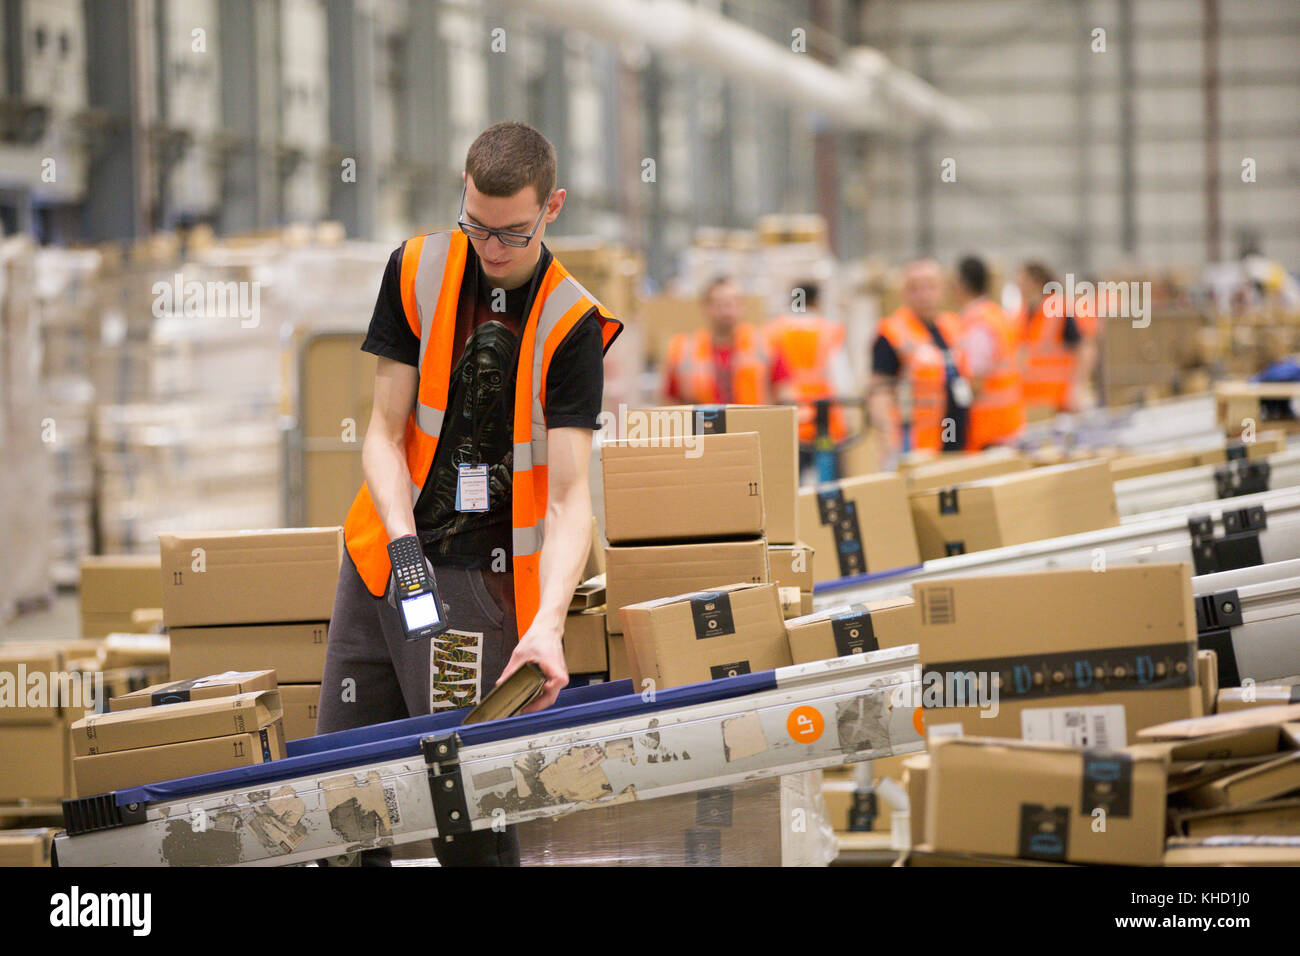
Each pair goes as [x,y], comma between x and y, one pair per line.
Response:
[961,392]
[472,488]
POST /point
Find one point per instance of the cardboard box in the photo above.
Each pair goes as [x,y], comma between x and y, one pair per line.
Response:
[225,684]
[1261,695]
[102,773]
[777,427]
[1244,850]
[1154,463]
[1255,784]
[691,489]
[690,638]
[26,847]
[301,703]
[1207,679]
[857,526]
[1075,656]
[296,652]
[590,593]
[584,642]
[250,577]
[616,648]
[954,469]
[790,565]
[916,769]
[853,629]
[37,762]
[175,723]
[1273,818]
[31,683]
[112,586]
[635,574]
[1038,801]
[1013,509]
[1191,728]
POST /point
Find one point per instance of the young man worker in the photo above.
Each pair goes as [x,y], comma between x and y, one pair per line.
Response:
[725,361]
[488,386]
[989,345]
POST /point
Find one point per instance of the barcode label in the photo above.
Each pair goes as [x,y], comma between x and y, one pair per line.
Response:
[1101,727]
[939,606]
[390,801]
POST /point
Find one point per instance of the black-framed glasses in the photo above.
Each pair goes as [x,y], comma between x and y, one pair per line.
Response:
[482,233]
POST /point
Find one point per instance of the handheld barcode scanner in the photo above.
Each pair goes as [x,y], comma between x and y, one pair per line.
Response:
[416,594]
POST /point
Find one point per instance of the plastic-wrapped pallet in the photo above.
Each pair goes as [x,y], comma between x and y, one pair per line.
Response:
[772,822]
[25,509]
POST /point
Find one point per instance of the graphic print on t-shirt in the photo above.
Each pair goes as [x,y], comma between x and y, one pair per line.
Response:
[455,670]
[477,433]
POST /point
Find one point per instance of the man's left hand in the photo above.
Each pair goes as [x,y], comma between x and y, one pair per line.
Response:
[544,646]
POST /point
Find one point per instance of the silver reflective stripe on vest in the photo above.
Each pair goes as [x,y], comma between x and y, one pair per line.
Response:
[527,541]
[428,284]
[428,418]
[560,301]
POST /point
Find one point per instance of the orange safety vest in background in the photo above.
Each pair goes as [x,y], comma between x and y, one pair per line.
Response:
[921,362]
[997,412]
[691,355]
[431,272]
[1048,365]
[808,343]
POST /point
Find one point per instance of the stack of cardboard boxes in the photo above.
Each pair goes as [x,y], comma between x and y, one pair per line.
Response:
[145,744]
[696,498]
[34,720]
[585,652]
[1198,791]
[47,685]
[254,600]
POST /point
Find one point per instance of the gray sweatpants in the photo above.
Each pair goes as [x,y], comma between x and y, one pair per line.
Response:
[389,678]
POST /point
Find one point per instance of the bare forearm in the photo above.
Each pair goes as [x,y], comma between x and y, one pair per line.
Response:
[384,465]
[564,553]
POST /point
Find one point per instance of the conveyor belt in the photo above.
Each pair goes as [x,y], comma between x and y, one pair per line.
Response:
[1213,536]
[1251,619]
[1157,426]
[1187,486]
[418,778]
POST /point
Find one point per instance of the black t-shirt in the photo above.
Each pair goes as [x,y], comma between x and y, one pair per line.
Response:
[478,425]
[885,362]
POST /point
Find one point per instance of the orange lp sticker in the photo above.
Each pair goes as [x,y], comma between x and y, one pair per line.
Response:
[805,724]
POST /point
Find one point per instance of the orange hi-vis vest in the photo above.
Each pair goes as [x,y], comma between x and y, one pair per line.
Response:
[691,355]
[431,273]
[922,363]
[808,343]
[1048,365]
[997,412]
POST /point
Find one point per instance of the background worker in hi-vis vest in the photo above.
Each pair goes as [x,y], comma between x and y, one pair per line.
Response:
[487,392]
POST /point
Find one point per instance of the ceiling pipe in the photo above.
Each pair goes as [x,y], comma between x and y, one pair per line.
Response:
[852,96]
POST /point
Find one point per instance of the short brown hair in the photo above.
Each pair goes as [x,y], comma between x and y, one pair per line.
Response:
[1038,272]
[506,157]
